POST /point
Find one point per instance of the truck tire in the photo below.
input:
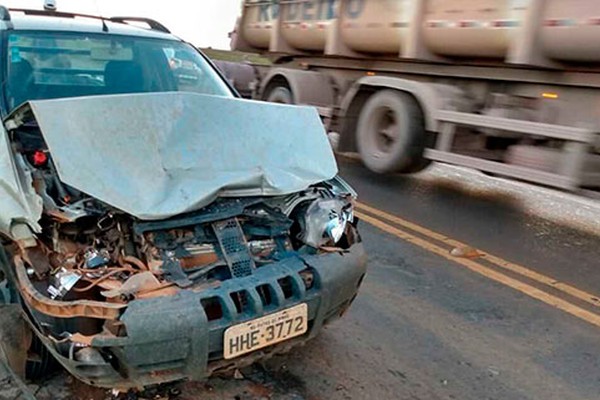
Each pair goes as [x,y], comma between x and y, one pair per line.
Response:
[391,134]
[280,94]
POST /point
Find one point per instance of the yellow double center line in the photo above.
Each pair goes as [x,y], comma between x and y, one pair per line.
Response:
[392,224]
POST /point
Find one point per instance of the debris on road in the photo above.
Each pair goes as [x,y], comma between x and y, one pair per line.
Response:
[466,252]
[238,375]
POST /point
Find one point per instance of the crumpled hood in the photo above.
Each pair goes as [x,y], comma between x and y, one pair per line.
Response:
[158,155]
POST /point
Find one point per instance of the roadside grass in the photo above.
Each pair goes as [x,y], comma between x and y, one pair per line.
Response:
[236,56]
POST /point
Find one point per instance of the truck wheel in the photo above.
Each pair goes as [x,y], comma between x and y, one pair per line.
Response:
[391,134]
[281,95]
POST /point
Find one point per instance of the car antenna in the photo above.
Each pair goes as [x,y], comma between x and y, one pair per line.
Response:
[98,12]
[50,5]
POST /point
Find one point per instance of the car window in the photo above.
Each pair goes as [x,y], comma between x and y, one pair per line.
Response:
[47,65]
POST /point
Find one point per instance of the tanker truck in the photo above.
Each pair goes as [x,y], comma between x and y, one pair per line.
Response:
[507,87]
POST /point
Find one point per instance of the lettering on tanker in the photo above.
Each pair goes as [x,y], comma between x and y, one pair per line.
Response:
[310,10]
[330,8]
[354,8]
[313,10]
[268,12]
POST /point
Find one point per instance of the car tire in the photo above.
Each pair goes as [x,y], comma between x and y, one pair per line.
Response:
[391,133]
[281,95]
[40,361]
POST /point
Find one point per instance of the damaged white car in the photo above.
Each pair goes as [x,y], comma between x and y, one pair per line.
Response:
[154,226]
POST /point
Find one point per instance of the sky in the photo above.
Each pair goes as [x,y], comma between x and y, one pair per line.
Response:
[204,23]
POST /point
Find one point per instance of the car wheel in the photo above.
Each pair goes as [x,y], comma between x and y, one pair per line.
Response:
[281,95]
[391,133]
[39,360]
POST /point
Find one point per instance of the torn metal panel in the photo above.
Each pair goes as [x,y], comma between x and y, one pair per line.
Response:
[163,154]
[19,202]
[61,309]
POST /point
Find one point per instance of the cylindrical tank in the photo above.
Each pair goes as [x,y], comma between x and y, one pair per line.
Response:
[375,26]
[571,30]
[304,23]
[258,19]
[473,28]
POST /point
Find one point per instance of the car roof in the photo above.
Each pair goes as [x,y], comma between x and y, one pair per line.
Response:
[77,23]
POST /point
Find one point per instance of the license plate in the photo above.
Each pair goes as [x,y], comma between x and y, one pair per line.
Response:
[266,331]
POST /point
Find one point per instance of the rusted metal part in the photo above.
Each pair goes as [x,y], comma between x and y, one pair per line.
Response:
[83,339]
[136,262]
[145,281]
[164,291]
[37,258]
[60,309]
[104,277]
[198,260]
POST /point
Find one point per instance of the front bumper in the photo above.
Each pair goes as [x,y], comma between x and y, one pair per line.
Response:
[181,337]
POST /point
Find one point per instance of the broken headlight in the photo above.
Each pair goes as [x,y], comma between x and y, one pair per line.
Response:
[325,222]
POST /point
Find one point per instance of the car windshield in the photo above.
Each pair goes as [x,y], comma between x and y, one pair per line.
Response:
[50,65]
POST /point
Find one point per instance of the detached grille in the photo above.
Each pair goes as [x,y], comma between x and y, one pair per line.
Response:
[234,247]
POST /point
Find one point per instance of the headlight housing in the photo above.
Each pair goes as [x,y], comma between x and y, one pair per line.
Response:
[325,221]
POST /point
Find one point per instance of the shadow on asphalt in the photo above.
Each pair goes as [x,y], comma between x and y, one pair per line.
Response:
[438,189]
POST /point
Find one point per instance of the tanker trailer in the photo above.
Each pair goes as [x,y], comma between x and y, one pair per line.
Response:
[509,87]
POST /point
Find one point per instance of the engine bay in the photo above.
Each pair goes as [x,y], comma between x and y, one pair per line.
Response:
[96,259]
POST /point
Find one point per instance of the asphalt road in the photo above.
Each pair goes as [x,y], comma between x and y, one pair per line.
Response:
[507,313]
